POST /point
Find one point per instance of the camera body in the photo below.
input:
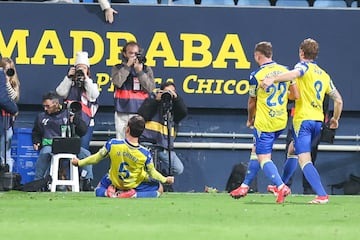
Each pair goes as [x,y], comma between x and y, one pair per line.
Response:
[140,57]
[327,134]
[73,107]
[166,100]
[167,96]
[79,78]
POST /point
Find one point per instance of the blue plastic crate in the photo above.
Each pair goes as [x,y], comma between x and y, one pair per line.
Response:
[24,155]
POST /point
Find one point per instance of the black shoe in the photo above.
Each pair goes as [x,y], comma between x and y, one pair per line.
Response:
[4,167]
[168,187]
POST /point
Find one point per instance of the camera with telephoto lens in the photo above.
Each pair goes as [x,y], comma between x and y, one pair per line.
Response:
[167,96]
[10,72]
[140,57]
[166,99]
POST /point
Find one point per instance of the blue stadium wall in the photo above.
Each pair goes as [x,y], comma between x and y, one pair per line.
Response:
[208,53]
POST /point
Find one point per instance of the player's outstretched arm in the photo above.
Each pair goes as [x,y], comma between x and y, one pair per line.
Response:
[283,77]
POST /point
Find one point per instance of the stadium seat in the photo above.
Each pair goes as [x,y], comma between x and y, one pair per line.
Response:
[254,3]
[292,3]
[354,4]
[329,3]
[217,2]
[144,2]
[183,2]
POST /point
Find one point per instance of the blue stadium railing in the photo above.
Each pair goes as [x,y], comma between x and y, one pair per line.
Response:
[265,3]
[288,3]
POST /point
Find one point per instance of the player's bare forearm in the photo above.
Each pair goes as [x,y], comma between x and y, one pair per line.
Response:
[338,104]
[283,77]
[251,110]
[287,76]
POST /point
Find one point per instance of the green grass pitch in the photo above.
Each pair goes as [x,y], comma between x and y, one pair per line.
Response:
[50,216]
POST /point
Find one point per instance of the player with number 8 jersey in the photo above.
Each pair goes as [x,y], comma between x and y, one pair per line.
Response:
[312,87]
[313,83]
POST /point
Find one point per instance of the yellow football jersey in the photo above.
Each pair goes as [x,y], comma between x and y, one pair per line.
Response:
[129,164]
[313,84]
[271,104]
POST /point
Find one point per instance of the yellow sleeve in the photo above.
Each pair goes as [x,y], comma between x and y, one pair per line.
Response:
[154,173]
[95,158]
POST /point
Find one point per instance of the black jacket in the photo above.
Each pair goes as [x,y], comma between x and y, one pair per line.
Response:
[49,125]
[151,106]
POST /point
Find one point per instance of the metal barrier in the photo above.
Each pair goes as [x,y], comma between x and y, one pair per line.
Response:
[236,146]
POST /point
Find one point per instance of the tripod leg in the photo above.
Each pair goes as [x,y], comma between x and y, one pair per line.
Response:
[5,120]
[169,124]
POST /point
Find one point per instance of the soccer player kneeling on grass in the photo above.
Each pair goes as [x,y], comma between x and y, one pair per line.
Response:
[132,173]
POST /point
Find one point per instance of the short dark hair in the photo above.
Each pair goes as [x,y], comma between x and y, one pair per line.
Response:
[264,48]
[136,125]
[167,83]
[51,96]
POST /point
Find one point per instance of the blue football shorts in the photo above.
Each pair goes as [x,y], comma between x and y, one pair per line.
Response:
[308,133]
[264,141]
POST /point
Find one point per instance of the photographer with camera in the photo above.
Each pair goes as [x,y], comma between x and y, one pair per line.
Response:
[78,86]
[58,121]
[133,81]
[13,90]
[163,111]
[8,109]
